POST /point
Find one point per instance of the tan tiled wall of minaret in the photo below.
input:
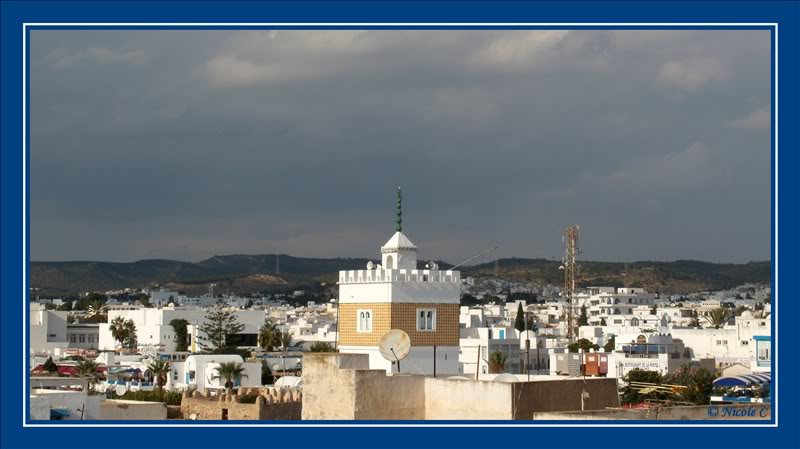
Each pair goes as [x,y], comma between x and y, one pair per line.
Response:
[399,316]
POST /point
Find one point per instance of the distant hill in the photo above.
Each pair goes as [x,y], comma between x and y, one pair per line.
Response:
[680,276]
[249,273]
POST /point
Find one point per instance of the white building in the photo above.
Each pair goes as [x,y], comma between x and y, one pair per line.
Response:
[48,329]
[396,295]
[199,372]
[728,345]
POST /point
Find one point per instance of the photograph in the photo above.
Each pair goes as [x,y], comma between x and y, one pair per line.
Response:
[294,225]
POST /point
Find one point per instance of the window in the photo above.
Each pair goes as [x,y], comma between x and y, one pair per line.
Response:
[73,338]
[763,354]
[745,343]
[81,338]
[426,319]
[175,375]
[191,376]
[91,338]
[364,320]
[51,335]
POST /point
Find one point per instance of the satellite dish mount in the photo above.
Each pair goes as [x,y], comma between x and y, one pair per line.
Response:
[395,345]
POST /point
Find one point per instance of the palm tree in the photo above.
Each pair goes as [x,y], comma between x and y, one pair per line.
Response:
[497,362]
[97,310]
[268,336]
[159,369]
[229,371]
[129,330]
[87,369]
[286,340]
[718,317]
[117,328]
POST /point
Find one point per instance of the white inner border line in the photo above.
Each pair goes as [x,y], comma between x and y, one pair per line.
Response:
[499,25]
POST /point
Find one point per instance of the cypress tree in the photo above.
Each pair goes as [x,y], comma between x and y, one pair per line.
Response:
[219,324]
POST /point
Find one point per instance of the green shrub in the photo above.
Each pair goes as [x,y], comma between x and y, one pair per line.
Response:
[168,397]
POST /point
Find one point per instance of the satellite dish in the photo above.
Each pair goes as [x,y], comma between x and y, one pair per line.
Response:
[276,367]
[120,390]
[395,346]
[193,416]
[370,265]
[432,265]
[506,377]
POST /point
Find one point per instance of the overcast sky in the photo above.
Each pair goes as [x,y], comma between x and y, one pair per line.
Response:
[189,144]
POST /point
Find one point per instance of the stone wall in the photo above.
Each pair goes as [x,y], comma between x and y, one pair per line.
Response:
[121,410]
[271,404]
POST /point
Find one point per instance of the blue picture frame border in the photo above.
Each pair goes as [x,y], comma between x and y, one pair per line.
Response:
[785,95]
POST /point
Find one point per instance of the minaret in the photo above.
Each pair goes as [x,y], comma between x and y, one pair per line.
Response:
[396,295]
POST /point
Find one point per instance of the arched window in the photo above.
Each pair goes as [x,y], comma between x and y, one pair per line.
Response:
[364,321]
[389,263]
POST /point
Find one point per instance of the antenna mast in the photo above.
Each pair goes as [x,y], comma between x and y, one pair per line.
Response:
[570,238]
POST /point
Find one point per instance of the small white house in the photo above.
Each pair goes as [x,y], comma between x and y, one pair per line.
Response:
[198,372]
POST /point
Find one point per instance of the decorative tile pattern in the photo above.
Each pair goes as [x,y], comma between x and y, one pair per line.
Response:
[386,316]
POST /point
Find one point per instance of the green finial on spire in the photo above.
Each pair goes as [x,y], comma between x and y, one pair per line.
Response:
[399,227]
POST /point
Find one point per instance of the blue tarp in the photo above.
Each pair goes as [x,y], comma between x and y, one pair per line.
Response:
[744,380]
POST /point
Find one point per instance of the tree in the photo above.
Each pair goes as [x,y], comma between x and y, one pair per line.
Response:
[248,304]
[695,321]
[268,336]
[50,366]
[519,323]
[159,369]
[87,369]
[718,317]
[96,310]
[65,307]
[286,340]
[129,330]
[179,326]
[603,322]
[632,395]
[584,344]
[583,319]
[699,383]
[497,362]
[219,325]
[654,310]
[117,329]
[610,344]
[229,371]
[321,346]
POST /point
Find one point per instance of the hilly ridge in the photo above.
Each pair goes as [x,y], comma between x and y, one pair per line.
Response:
[246,273]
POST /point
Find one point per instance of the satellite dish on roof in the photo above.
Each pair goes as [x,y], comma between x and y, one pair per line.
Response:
[506,377]
[395,346]
[120,390]
[370,265]
[193,417]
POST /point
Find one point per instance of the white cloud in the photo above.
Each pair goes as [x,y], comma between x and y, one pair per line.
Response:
[692,73]
[756,120]
[522,48]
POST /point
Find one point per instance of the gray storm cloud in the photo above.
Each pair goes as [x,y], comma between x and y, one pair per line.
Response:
[185,144]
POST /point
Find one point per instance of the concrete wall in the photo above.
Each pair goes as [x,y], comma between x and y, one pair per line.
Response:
[380,397]
[120,410]
[76,402]
[331,392]
[328,391]
[467,399]
[562,395]
[697,413]
[40,408]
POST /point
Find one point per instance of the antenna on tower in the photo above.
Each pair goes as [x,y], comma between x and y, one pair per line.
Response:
[399,227]
[569,264]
